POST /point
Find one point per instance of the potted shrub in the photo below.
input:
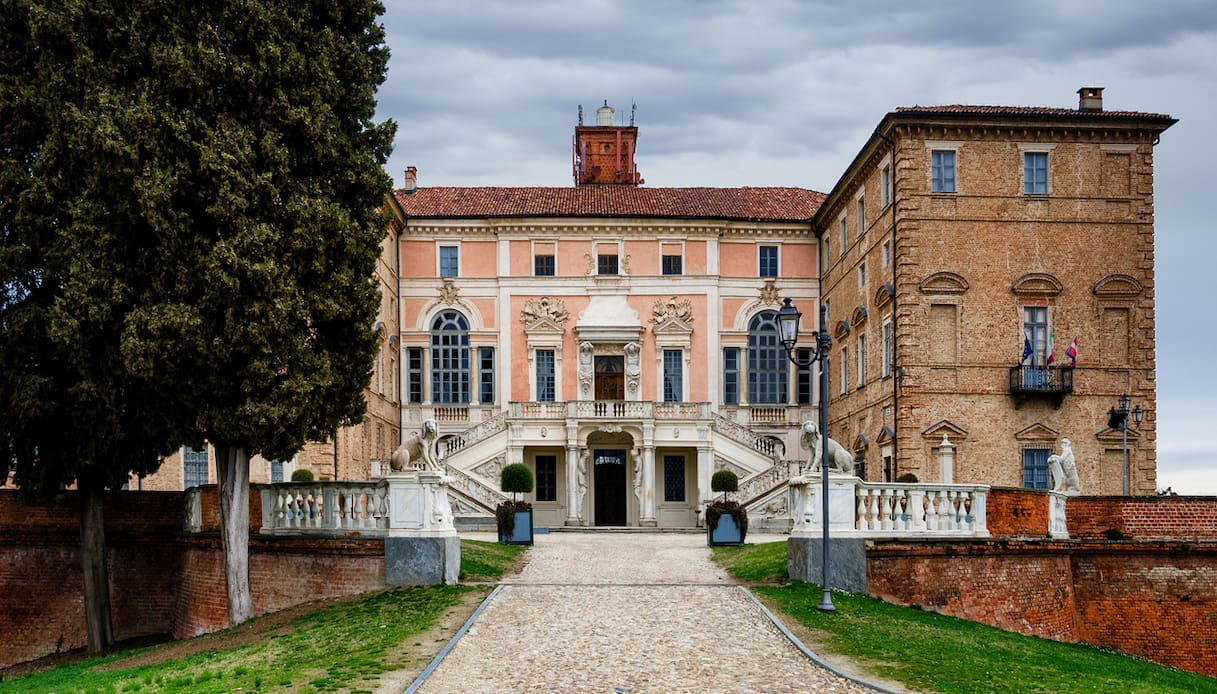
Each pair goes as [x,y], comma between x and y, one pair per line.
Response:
[514,517]
[726,521]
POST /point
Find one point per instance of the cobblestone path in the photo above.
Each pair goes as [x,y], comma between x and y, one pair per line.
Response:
[626,613]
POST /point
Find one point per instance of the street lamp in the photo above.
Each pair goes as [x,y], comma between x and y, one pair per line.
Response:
[1117,418]
[788,323]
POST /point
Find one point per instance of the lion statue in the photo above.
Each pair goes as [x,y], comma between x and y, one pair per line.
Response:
[839,459]
[418,451]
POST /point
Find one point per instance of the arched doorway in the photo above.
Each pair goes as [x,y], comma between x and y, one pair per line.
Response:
[613,469]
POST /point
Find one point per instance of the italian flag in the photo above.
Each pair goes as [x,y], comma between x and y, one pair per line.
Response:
[1051,349]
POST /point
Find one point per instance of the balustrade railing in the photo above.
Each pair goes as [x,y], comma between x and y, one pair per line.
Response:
[742,434]
[479,432]
[475,489]
[763,481]
[896,509]
[325,506]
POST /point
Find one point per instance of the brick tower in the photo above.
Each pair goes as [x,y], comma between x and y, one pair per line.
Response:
[603,154]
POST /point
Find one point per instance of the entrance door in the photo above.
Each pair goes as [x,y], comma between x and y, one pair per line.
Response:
[610,487]
[610,378]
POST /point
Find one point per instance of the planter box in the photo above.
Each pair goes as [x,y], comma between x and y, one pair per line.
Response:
[727,532]
[522,533]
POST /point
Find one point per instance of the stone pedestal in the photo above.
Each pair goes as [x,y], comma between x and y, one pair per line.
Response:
[808,510]
[846,561]
[422,547]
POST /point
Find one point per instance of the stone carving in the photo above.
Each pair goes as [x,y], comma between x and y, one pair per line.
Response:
[464,508]
[769,292]
[441,511]
[586,351]
[1064,471]
[637,456]
[544,308]
[839,459]
[585,458]
[774,509]
[610,428]
[672,309]
[418,451]
[491,469]
[448,293]
[633,367]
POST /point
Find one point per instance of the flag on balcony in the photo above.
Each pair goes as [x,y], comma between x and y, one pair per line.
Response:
[1072,353]
[1051,349]
[1026,349]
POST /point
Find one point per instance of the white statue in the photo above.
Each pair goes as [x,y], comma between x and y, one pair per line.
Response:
[839,459]
[418,451]
[633,366]
[585,457]
[586,350]
[637,476]
[1064,471]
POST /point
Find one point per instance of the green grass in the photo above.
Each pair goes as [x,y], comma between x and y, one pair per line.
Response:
[347,646]
[933,652]
[760,563]
[487,561]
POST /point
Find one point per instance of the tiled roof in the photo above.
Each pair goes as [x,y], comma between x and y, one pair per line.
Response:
[1033,111]
[753,204]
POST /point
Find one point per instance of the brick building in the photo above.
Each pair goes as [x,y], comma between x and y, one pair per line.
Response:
[965,249]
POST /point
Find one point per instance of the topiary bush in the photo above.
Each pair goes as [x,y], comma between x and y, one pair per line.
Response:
[908,478]
[516,479]
[302,475]
[724,481]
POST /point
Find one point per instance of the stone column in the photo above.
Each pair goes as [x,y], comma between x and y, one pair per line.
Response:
[574,494]
[648,487]
[703,481]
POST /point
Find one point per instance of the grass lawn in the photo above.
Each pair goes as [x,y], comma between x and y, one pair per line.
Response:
[340,647]
[933,652]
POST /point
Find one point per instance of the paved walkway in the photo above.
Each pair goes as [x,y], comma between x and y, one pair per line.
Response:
[626,613]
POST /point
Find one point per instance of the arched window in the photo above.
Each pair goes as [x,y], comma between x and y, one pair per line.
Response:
[450,359]
[767,362]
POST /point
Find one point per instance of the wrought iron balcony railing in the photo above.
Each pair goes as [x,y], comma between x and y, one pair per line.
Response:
[1050,381]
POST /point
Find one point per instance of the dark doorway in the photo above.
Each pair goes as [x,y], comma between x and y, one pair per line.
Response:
[610,487]
[610,378]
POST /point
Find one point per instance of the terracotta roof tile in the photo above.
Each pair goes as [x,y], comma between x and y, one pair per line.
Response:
[1034,111]
[753,204]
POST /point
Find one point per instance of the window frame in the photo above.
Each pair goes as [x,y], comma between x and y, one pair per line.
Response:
[671,264]
[486,380]
[1033,469]
[844,369]
[670,464]
[861,211]
[441,270]
[885,185]
[415,363]
[547,478]
[861,359]
[886,367]
[192,459]
[804,388]
[545,375]
[939,181]
[1032,183]
[768,366]
[551,265]
[673,375]
[731,394]
[450,362]
[762,266]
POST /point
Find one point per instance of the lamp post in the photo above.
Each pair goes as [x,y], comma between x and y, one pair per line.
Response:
[788,323]
[1117,418]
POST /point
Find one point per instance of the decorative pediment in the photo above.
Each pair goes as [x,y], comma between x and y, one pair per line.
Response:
[1115,437]
[861,443]
[883,296]
[859,317]
[842,330]
[544,316]
[943,283]
[944,427]
[1037,432]
[886,436]
[769,293]
[1037,284]
[1117,286]
[672,316]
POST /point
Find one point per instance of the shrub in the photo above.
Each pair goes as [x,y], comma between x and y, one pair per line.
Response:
[724,481]
[516,479]
[302,475]
[907,477]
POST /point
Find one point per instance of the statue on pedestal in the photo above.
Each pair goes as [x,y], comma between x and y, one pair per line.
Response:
[418,451]
[839,459]
[1064,471]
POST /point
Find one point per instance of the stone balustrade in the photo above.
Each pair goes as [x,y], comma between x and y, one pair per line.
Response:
[325,506]
[874,509]
[592,409]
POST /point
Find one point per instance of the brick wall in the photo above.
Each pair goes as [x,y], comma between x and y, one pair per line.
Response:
[1142,518]
[1154,600]
[1013,512]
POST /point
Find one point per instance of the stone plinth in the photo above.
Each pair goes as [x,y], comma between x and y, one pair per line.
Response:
[846,561]
[808,510]
[422,547]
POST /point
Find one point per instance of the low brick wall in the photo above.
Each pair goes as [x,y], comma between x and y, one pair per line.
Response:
[1143,517]
[1017,512]
[1152,599]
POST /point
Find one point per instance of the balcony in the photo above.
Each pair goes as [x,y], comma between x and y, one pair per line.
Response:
[1050,382]
[609,409]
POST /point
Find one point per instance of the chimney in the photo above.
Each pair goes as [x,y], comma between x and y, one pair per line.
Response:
[411,179]
[1090,99]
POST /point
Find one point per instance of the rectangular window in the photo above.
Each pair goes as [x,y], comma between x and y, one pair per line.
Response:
[885,186]
[861,216]
[826,261]
[194,466]
[861,360]
[486,375]
[887,349]
[543,265]
[862,275]
[803,377]
[768,261]
[844,370]
[673,265]
[731,375]
[414,375]
[547,477]
[844,238]
[1035,173]
[887,253]
[545,375]
[1035,468]
[449,261]
[276,471]
[673,478]
[1035,333]
[606,264]
[942,171]
[673,375]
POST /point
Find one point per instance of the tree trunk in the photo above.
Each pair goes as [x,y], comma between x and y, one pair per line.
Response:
[232,467]
[93,566]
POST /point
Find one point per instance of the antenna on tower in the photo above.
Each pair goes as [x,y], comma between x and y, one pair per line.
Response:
[633,107]
[581,115]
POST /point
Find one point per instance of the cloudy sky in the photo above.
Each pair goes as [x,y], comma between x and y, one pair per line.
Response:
[785,93]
